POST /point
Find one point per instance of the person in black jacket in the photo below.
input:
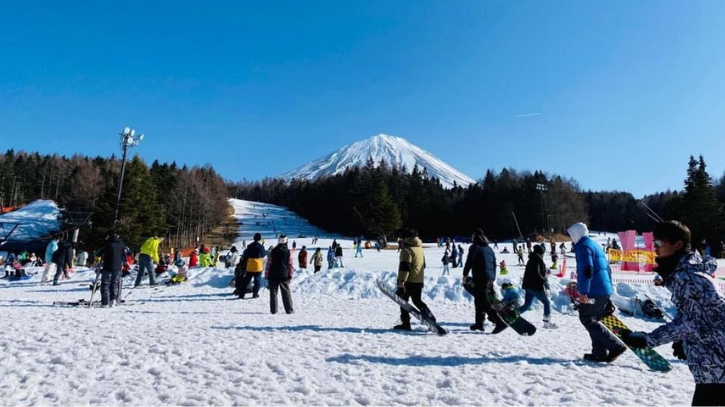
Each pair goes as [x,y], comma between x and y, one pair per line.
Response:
[113,257]
[63,259]
[481,262]
[536,285]
[278,274]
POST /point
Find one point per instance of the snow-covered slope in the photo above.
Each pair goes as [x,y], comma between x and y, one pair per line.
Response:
[394,150]
[195,344]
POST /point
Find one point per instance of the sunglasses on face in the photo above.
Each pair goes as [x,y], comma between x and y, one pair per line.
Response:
[659,243]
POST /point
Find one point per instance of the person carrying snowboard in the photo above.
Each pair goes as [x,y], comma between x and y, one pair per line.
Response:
[278,274]
[411,269]
[595,286]
[481,263]
[698,331]
[536,285]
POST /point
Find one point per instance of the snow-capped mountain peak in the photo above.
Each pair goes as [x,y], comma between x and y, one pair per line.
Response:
[394,150]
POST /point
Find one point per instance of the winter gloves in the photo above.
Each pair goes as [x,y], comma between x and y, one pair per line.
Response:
[633,339]
[678,350]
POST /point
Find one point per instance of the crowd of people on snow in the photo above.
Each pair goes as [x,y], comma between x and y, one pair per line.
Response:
[697,333]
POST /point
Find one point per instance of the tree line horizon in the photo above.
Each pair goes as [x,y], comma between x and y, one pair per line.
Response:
[374,200]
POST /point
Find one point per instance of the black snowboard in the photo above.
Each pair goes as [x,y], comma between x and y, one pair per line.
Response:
[432,325]
[509,314]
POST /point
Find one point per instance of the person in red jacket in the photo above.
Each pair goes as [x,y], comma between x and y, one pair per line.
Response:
[194,258]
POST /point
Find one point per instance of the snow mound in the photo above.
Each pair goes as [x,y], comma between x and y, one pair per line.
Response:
[394,150]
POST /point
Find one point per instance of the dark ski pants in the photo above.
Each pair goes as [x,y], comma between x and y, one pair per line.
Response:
[277,285]
[317,268]
[602,339]
[110,286]
[412,291]
[540,295]
[59,269]
[242,288]
[709,394]
[482,290]
[145,265]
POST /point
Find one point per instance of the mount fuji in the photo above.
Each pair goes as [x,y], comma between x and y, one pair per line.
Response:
[395,150]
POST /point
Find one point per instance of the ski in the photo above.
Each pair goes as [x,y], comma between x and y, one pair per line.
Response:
[430,324]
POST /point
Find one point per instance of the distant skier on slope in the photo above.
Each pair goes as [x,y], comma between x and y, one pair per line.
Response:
[411,269]
[698,330]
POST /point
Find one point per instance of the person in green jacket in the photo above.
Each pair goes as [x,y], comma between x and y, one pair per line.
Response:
[149,255]
[411,277]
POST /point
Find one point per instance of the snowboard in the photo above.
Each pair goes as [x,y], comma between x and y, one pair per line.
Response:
[430,324]
[648,356]
[509,314]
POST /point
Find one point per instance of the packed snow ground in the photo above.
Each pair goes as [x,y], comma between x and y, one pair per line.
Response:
[194,344]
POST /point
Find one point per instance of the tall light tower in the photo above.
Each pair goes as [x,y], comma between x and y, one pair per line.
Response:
[545,222]
[128,140]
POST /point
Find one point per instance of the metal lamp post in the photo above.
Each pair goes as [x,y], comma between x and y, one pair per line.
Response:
[546,222]
[128,140]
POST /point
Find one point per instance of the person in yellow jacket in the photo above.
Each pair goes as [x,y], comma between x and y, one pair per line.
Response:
[149,255]
[411,271]
[205,258]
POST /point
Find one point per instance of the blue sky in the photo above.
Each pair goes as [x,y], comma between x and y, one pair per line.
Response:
[615,94]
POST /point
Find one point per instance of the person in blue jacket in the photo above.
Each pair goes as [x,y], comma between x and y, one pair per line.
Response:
[595,286]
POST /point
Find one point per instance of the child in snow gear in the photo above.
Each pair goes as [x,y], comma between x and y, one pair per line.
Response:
[250,267]
[536,285]
[317,259]
[511,296]
[502,268]
[149,254]
[481,263]
[194,258]
[411,269]
[182,273]
[594,279]
[698,330]
[278,274]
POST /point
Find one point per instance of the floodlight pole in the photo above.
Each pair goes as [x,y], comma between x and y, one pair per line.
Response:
[128,140]
[544,221]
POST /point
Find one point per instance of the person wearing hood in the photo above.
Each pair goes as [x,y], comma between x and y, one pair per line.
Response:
[114,254]
[481,263]
[411,269]
[536,285]
[278,274]
[595,287]
[698,330]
